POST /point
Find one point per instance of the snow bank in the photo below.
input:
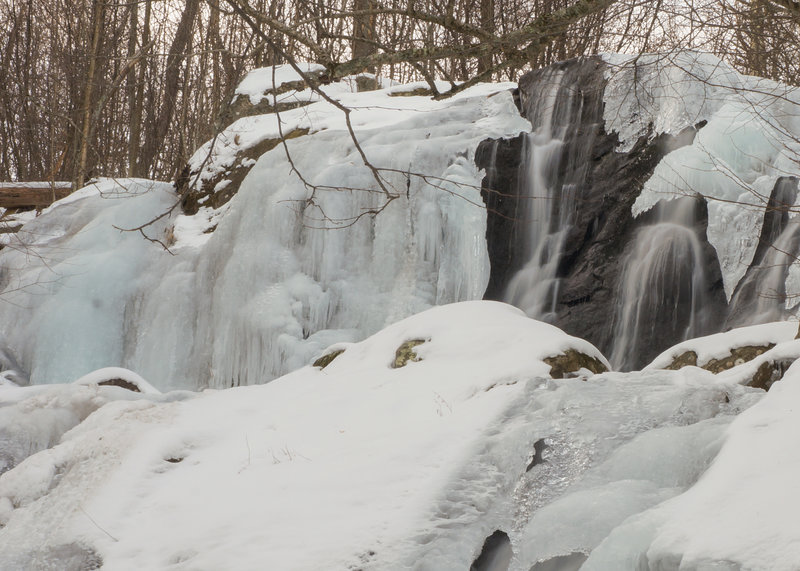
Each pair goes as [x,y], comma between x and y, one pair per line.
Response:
[360,464]
[740,514]
[719,345]
[259,81]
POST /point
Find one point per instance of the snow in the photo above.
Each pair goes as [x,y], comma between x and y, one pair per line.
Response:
[107,374]
[384,468]
[740,514]
[719,345]
[748,142]
[259,81]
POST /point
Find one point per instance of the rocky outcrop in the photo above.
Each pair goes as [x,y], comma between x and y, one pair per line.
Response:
[605,184]
[496,553]
[572,361]
[219,189]
[406,353]
[760,297]
[767,373]
[327,359]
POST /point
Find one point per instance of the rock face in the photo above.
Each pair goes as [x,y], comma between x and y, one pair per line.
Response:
[761,293]
[566,190]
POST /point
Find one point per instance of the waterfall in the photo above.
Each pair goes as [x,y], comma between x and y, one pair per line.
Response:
[553,170]
[662,289]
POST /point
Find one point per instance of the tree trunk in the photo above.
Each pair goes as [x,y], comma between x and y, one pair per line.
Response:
[157,132]
[97,30]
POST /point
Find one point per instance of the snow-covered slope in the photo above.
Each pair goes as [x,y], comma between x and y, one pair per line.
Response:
[361,465]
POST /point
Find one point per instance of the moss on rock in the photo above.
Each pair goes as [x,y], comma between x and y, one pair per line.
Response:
[327,359]
[738,356]
[766,374]
[687,359]
[571,361]
[406,353]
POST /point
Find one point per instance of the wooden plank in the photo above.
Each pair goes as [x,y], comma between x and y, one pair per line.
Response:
[32,195]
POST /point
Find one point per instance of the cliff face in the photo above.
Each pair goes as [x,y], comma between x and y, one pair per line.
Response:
[582,195]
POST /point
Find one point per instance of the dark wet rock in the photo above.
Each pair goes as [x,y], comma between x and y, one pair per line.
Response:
[760,296]
[495,555]
[591,264]
[120,383]
[769,373]
[538,450]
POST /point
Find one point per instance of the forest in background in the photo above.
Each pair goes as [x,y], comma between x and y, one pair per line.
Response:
[132,88]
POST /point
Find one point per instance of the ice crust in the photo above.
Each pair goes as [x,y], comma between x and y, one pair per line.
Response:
[384,468]
[750,138]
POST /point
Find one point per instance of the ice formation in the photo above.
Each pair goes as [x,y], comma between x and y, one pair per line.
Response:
[747,140]
[286,271]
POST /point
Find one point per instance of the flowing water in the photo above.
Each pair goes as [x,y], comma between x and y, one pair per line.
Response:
[662,289]
[555,162]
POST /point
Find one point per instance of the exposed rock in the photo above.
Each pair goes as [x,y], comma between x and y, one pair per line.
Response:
[687,359]
[495,555]
[591,263]
[738,356]
[120,383]
[418,92]
[242,106]
[327,359]
[767,373]
[760,296]
[367,83]
[538,449]
[406,353]
[218,190]
[571,361]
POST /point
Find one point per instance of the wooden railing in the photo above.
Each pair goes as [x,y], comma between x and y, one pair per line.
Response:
[32,194]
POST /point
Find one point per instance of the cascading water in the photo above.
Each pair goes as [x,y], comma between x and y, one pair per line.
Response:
[662,289]
[554,166]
